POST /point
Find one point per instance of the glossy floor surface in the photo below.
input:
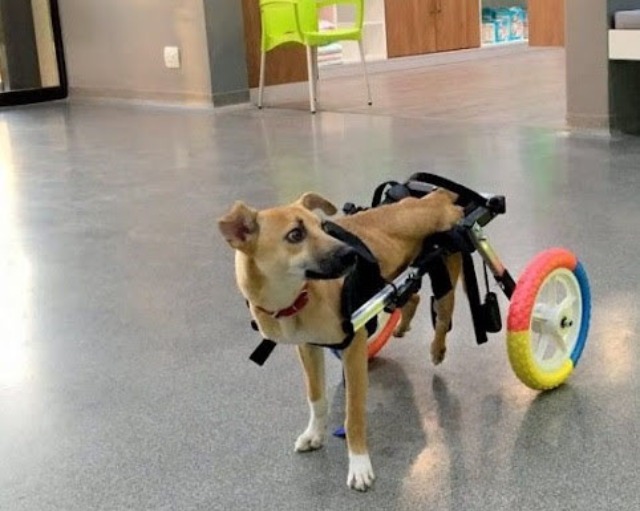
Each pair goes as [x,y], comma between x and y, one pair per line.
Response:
[124,378]
[522,87]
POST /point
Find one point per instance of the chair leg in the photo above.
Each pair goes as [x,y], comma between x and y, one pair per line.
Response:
[316,73]
[263,61]
[366,75]
[311,75]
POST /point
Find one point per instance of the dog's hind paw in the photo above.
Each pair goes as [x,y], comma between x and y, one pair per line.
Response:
[437,353]
[309,441]
[361,474]
[401,331]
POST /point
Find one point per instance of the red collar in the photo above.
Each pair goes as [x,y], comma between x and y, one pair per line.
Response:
[297,305]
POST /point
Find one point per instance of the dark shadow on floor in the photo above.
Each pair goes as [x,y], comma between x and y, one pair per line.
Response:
[396,436]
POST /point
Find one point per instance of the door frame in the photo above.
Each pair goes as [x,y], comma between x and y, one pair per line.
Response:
[61,91]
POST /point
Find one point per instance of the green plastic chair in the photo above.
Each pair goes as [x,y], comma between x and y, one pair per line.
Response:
[296,21]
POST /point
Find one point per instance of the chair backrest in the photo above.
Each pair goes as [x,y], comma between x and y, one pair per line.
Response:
[284,21]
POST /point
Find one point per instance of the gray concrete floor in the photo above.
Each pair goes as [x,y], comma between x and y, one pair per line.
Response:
[496,88]
[124,379]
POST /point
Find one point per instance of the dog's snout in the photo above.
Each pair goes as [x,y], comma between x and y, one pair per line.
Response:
[334,264]
[346,255]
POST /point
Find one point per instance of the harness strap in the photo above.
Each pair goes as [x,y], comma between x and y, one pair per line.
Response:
[340,233]
[379,192]
[439,275]
[345,343]
[363,282]
[473,295]
[262,352]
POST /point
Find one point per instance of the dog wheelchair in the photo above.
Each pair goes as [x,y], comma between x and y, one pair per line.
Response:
[550,304]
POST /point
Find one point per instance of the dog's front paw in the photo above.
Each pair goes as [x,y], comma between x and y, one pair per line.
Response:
[310,440]
[313,436]
[361,474]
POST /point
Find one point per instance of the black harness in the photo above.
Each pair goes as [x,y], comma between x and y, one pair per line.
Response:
[360,284]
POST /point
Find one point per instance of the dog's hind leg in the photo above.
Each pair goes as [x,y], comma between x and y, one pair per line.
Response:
[355,364]
[444,311]
[312,359]
[408,311]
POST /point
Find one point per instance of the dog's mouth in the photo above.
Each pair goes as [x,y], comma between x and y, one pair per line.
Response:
[338,264]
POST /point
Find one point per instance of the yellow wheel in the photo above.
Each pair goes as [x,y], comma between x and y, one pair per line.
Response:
[548,319]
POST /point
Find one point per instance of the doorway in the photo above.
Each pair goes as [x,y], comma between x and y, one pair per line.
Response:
[31,55]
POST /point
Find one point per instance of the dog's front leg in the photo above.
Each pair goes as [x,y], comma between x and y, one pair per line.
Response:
[355,370]
[312,358]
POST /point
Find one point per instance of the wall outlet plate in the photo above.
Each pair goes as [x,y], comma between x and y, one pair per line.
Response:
[172,57]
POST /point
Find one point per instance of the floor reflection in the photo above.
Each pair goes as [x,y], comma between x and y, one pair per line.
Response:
[15,276]
[615,327]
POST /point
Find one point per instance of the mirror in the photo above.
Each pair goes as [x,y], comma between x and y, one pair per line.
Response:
[30,48]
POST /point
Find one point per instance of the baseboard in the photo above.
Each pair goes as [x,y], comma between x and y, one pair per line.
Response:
[169,98]
[588,122]
[231,98]
[275,94]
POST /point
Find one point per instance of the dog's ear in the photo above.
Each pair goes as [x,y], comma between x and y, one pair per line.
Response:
[239,226]
[311,201]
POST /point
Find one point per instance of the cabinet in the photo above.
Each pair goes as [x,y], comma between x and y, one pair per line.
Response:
[546,22]
[415,27]
[410,27]
[457,24]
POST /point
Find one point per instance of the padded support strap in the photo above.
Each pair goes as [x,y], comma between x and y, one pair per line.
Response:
[471,283]
[466,194]
[363,282]
[439,275]
[389,192]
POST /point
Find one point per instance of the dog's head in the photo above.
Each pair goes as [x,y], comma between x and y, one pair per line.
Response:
[288,240]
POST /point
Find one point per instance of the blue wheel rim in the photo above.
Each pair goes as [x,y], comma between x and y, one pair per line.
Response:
[585,291]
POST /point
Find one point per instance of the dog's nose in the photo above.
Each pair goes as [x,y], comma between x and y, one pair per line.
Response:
[346,255]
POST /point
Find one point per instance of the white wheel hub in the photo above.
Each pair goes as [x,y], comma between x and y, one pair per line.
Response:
[555,322]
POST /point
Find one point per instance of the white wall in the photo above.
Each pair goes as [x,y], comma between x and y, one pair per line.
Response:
[115,48]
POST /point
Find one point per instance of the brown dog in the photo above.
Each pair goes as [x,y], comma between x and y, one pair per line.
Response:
[289,270]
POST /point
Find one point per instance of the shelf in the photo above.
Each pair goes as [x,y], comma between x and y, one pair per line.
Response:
[365,24]
[374,38]
[505,43]
[503,3]
[624,44]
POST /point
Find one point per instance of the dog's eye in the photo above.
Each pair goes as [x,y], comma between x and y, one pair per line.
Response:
[296,235]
